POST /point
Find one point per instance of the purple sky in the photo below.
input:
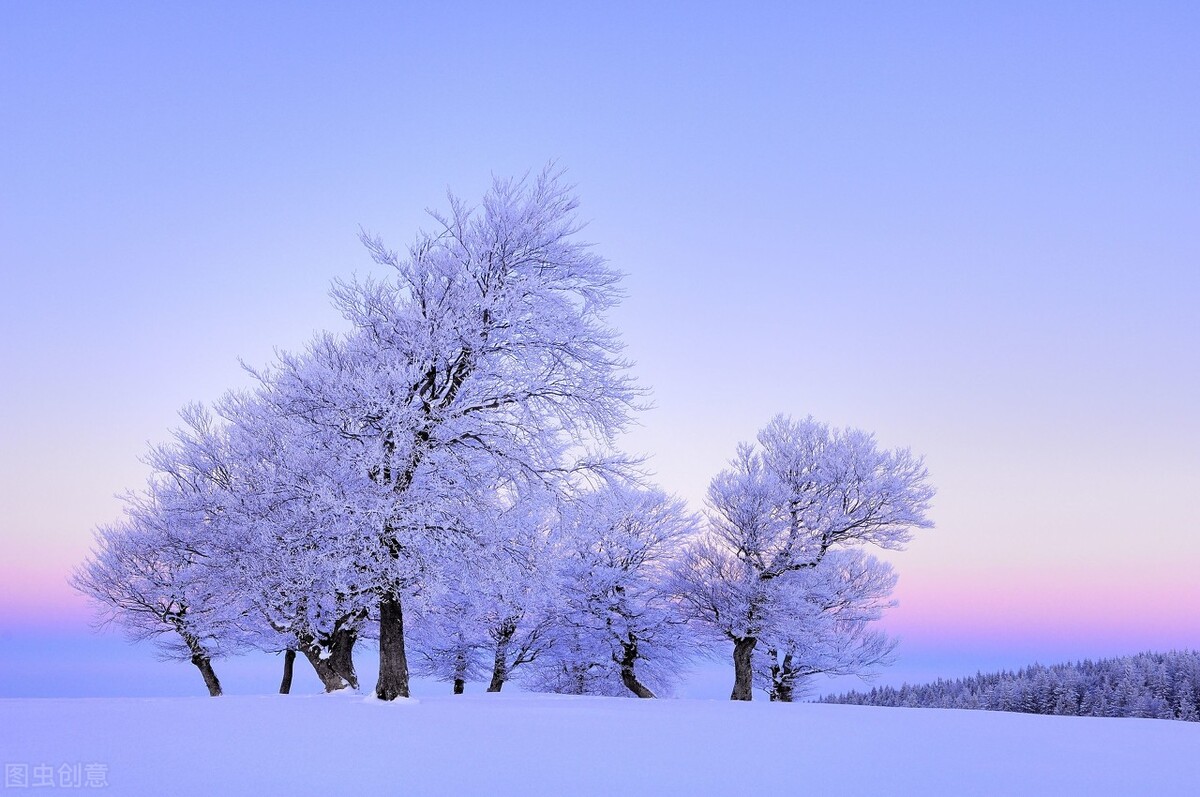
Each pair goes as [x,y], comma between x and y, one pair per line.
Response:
[974,230]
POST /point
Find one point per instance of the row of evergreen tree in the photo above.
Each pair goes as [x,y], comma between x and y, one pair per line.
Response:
[1150,685]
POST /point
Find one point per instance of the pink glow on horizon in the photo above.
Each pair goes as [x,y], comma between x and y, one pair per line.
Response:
[40,599]
[981,611]
[1080,611]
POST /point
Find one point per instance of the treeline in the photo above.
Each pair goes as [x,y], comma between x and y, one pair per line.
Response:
[1150,685]
[443,476]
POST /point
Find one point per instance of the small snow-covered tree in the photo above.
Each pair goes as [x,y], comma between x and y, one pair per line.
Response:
[522,605]
[820,623]
[447,632]
[281,525]
[301,527]
[518,582]
[618,624]
[803,491]
[487,607]
[154,575]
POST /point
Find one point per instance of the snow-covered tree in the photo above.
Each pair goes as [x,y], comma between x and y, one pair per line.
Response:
[1153,685]
[447,631]
[821,621]
[486,353]
[488,608]
[299,529]
[803,491]
[154,574]
[280,524]
[518,582]
[618,624]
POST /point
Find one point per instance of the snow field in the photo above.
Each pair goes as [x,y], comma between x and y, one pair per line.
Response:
[348,744]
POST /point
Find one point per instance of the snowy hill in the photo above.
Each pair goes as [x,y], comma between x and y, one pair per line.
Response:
[348,744]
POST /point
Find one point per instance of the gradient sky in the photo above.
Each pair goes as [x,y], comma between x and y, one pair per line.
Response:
[973,229]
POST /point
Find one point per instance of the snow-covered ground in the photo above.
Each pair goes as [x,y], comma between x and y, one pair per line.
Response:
[533,745]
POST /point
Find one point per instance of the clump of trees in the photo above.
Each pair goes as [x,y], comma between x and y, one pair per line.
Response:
[1150,685]
[782,564]
[442,477]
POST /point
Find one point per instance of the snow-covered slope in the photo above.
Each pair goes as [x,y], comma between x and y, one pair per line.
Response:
[531,745]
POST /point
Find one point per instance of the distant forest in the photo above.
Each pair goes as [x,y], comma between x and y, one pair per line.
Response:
[1152,685]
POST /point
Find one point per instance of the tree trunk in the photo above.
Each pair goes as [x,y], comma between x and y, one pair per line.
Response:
[783,678]
[743,674]
[289,662]
[500,665]
[203,664]
[341,657]
[393,664]
[773,655]
[202,661]
[633,684]
[786,687]
[331,679]
[460,670]
[628,658]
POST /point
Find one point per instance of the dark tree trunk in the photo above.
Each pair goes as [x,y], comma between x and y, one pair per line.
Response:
[203,664]
[331,679]
[743,673]
[289,662]
[628,677]
[500,665]
[783,678]
[202,661]
[393,664]
[786,688]
[499,674]
[633,684]
[460,671]
[341,657]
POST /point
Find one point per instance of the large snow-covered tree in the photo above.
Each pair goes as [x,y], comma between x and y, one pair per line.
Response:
[485,353]
[788,502]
